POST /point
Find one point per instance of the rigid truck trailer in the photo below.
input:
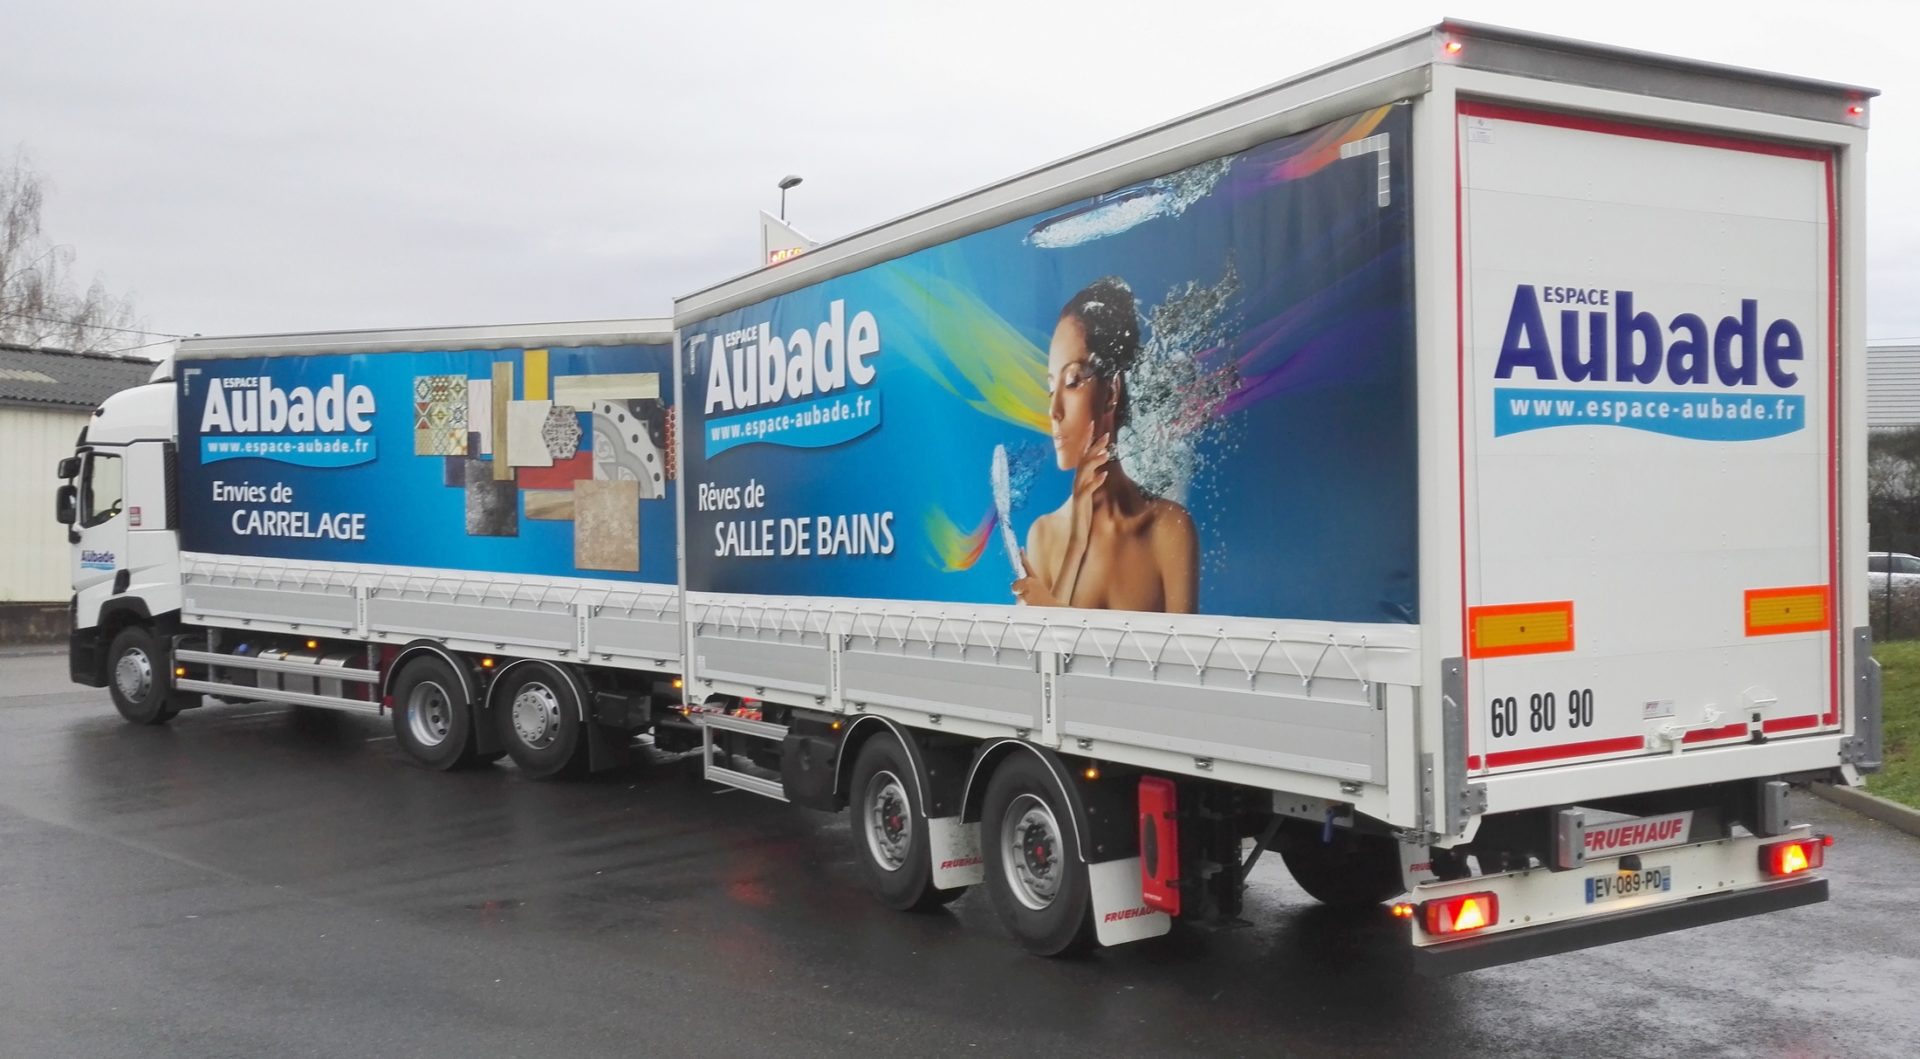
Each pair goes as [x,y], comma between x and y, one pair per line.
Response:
[1439,469]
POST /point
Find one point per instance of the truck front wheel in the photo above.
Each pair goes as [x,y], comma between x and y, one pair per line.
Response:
[137,677]
[1039,883]
[539,717]
[890,829]
[1350,871]
[432,718]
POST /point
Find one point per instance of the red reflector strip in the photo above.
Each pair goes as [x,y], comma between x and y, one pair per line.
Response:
[1535,754]
[1791,724]
[1708,735]
[1159,845]
[1802,608]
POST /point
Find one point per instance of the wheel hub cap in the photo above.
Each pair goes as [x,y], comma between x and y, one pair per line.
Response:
[429,714]
[536,716]
[889,821]
[133,675]
[1031,838]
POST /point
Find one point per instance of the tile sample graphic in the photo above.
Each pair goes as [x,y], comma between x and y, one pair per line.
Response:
[526,442]
[561,475]
[606,525]
[561,432]
[554,505]
[582,391]
[624,449]
[440,415]
[493,507]
[502,396]
[480,417]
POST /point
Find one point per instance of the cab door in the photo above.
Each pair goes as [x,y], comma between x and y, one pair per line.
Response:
[101,526]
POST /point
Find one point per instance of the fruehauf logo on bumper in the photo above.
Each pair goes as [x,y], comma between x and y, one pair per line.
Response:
[1728,381]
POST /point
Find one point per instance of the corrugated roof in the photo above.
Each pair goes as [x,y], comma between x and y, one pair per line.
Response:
[58,379]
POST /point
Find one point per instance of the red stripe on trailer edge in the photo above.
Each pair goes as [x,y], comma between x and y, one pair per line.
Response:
[1585,123]
[1616,127]
[1591,748]
[1833,434]
[1460,427]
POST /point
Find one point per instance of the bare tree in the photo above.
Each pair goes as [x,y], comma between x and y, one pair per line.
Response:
[39,302]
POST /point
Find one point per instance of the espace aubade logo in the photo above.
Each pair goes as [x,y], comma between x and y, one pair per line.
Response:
[1615,359]
[324,426]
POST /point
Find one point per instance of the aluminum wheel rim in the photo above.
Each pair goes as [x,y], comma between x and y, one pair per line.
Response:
[536,716]
[133,675]
[1030,841]
[889,821]
[429,713]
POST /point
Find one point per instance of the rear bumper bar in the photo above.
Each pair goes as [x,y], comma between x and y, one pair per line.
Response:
[1550,939]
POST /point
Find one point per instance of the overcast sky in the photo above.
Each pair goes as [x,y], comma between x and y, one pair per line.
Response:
[271,166]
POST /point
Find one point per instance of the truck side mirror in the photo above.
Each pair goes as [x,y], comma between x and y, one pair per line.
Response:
[64,506]
[69,468]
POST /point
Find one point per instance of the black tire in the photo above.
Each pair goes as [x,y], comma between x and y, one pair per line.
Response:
[1351,872]
[889,828]
[432,715]
[139,678]
[537,713]
[1055,923]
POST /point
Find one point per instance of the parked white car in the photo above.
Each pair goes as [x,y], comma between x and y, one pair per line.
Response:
[1892,568]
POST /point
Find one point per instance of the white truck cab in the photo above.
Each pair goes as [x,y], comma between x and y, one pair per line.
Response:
[120,510]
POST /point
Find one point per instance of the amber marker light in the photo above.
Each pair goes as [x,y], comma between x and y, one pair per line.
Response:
[1402,910]
[486,663]
[1453,47]
[1092,772]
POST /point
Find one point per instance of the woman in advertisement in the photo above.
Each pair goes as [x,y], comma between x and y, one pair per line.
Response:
[1111,545]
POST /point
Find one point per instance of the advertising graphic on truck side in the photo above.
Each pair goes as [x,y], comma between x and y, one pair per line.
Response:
[1120,403]
[511,461]
[1438,470]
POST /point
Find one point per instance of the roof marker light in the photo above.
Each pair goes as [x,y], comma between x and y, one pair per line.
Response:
[1453,47]
[1856,110]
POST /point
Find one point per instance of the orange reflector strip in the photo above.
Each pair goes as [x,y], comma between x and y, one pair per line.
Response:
[1778,610]
[1520,629]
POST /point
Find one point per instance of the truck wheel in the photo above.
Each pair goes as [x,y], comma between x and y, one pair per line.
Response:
[432,719]
[539,719]
[137,677]
[1039,884]
[1353,871]
[890,829]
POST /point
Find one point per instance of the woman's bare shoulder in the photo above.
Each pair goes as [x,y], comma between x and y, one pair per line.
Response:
[1168,520]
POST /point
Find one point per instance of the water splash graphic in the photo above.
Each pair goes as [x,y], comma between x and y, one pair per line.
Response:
[1178,402]
[1120,211]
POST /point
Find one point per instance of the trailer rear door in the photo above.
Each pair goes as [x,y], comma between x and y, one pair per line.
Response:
[1648,438]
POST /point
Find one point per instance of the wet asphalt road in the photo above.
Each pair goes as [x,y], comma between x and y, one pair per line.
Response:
[256,881]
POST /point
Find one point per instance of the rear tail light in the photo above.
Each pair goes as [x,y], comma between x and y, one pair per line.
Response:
[1463,914]
[1159,845]
[1781,859]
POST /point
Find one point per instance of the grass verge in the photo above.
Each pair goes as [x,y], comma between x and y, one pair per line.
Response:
[1900,718]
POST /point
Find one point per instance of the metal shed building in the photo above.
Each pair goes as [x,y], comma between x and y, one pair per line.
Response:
[46,396]
[1893,385]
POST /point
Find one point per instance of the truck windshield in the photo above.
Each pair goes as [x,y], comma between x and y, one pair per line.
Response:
[100,489]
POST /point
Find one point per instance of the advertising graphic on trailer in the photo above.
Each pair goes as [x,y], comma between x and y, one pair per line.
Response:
[1128,402]
[537,461]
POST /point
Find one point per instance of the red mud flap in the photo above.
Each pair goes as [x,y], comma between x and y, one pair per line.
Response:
[1550,939]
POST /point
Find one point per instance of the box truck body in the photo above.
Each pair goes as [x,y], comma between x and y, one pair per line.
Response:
[1439,468]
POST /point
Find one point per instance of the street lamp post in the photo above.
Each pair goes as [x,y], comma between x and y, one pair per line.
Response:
[786,182]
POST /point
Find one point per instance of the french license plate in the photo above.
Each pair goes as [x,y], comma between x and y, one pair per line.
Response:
[1615,885]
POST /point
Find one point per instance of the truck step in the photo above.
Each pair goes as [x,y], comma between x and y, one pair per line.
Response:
[732,777]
